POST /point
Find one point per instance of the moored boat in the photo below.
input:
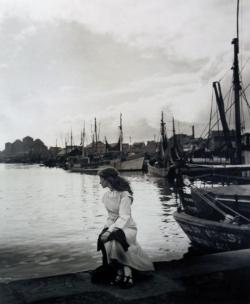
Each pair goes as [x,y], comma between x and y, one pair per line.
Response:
[161,165]
[131,163]
[114,156]
[214,235]
[158,171]
[227,135]
[216,218]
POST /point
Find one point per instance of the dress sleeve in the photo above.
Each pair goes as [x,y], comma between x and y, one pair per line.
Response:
[124,213]
[109,220]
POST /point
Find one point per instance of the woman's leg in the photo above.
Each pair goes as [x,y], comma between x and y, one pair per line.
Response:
[108,247]
[128,281]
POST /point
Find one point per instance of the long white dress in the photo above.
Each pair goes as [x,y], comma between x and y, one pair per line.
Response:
[118,205]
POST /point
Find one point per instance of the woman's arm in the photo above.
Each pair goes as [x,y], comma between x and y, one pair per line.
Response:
[108,223]
[124,213]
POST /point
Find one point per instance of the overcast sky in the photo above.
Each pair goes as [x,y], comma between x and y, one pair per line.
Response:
[63,62]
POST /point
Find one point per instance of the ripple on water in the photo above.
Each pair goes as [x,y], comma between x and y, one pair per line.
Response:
[47,212]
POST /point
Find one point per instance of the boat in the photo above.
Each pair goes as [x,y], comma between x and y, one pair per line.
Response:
[113,156]
[210,169]
[218,218]
[122,160]
[213,235]
[160,166]
[131,163]
[233,145]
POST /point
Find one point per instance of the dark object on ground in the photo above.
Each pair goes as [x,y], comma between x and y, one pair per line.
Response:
[103,274]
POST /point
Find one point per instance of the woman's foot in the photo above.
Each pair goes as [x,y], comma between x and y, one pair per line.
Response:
[118,278]
[128,281]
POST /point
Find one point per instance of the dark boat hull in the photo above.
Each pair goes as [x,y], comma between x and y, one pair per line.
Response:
[201,169]
[212,235]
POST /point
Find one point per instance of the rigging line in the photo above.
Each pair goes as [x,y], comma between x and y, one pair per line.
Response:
[243,117]
[217,115]
[244,97]
[214,200]
[243,67]
[199,193]
[243,93]
[210,118]
[248,106]
[204,130]
[248,111]
[228,102]
[227,71]
[232,102]
[217,121]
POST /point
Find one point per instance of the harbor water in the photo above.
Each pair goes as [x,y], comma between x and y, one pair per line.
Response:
[50,219]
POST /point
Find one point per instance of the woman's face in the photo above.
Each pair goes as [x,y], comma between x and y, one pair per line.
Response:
[104,182]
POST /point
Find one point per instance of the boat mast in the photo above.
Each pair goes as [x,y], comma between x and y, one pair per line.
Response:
[83,140]
[71,140]
[163,135]
[221,108]
[174,135]
[237,88]
[121,133]
[95,136]
[162,126]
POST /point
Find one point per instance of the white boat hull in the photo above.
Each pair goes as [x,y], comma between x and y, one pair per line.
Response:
[134,164]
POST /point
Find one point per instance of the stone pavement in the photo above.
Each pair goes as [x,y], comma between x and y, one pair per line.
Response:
[214,278]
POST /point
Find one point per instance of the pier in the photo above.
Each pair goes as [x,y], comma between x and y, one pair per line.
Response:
[214,278]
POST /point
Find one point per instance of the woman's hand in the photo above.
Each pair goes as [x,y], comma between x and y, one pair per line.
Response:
[105,236]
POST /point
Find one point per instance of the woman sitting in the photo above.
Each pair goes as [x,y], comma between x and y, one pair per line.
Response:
[118,238]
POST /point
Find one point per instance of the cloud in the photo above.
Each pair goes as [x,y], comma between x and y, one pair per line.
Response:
[63,62]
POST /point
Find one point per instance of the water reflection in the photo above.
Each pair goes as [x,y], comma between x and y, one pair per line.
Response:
[50,219]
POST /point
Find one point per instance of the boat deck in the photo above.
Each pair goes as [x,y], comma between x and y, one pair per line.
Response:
[231,191]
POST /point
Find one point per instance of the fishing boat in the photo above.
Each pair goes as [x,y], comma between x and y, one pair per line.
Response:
[218,218]
[161,165]
[214,235]
[131,163]
[124,161]
[230,144]
[113,156]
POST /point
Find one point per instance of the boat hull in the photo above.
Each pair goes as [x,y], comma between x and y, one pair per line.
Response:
[134,164]
[200,169]
[156,171]
[212,235]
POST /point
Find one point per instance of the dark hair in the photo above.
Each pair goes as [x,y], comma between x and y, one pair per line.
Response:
[116,181]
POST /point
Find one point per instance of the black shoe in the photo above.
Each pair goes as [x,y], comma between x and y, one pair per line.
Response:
[127,282]
[118,279]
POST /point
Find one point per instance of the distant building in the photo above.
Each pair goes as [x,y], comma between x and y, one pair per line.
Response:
[151,146]
[26,150]
[217,140]
[138,147]
[27,143]
[95,148]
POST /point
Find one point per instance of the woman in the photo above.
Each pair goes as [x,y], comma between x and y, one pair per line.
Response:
[119,233]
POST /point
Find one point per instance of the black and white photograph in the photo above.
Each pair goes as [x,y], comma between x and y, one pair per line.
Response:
[124,151]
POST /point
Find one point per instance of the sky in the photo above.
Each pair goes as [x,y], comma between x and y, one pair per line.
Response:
[65,62]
